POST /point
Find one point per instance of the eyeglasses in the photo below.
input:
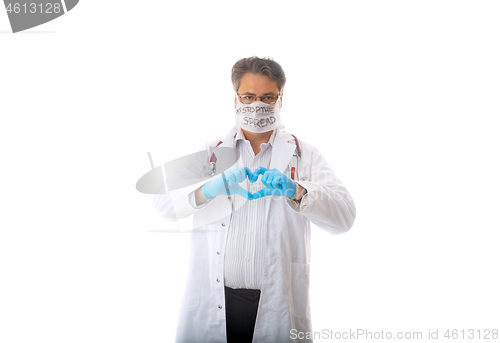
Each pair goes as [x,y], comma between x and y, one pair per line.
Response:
[250,98]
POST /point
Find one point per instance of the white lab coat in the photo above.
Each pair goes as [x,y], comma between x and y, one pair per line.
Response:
[284,301]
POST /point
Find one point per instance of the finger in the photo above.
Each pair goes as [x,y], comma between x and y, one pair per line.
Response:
[230,178]
[262,193]
[242,173]
[267,178]
[239,174]
[258,171]
[248,173]
[253,176]
[242,192]
[277,182]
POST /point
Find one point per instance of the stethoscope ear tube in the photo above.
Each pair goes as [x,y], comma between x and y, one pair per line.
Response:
[297,147]
[298,155]
[225,184]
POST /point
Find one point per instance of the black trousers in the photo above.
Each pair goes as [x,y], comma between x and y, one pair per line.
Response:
[241,312]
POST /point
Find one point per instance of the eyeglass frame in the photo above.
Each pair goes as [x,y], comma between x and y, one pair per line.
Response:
[277,96]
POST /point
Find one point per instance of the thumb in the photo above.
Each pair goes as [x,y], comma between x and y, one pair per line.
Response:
[243,192]
[262,193]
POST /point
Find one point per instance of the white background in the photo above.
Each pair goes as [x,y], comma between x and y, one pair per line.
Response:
[401,97]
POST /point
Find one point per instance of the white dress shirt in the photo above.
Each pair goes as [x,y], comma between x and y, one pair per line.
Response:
[244,256]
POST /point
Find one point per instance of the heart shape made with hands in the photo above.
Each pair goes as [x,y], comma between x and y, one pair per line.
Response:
[275,182]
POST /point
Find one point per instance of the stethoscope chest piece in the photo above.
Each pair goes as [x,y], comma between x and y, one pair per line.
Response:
[210,169]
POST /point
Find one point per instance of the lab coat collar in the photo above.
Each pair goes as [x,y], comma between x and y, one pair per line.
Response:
[229,140]
[241,135]
[282,149]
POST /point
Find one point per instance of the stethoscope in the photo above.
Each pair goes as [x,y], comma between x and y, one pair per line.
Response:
[298,156]
[211,168]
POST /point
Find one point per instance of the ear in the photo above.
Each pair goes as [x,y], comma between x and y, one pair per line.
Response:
[235,100]
[281,100]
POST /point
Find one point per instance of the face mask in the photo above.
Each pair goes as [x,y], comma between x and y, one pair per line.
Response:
[258,116]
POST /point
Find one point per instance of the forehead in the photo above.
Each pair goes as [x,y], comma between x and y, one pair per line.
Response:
[257,84]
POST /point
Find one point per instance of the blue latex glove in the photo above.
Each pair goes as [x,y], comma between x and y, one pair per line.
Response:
[275,181]
[233,178]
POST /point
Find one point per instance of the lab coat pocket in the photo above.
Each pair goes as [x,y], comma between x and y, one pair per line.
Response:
[192,290]
[299,288]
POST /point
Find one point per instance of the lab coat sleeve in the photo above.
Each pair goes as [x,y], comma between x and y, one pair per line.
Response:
[327,203]
[164,206]
[192,201]
[176,205]
[179,204]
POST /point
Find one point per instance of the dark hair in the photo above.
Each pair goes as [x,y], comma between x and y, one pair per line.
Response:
[259,66]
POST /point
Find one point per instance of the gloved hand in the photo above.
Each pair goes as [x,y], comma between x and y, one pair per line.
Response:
[233,178]
[275,181]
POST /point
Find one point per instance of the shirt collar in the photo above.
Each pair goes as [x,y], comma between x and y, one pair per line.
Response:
[240,135]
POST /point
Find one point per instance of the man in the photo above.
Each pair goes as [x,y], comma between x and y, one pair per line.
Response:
[249,266]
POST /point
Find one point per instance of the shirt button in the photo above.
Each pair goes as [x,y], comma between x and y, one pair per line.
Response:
[223,224]
[218,280]
[218,253]
[248,259]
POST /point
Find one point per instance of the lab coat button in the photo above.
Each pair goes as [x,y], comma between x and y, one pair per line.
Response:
[223,224]
[218,280]
[220,307]
[218,253]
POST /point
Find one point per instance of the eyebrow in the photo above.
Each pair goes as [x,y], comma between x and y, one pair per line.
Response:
[269,93]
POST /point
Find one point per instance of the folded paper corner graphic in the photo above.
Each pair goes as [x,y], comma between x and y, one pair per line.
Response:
[25,14]
[187,170]
[70,4]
